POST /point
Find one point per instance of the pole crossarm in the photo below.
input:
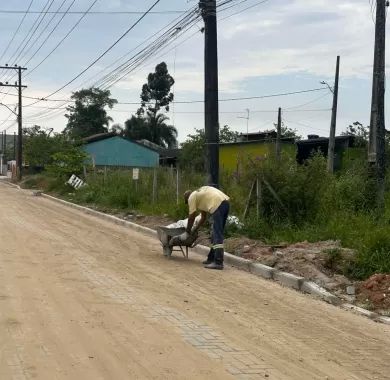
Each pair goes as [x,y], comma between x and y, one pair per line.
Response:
[11,85]
[13,67]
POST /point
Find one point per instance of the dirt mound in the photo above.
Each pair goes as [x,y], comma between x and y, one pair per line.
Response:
[375,291]
[321,262]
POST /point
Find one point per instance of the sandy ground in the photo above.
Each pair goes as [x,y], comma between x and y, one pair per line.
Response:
[81,298]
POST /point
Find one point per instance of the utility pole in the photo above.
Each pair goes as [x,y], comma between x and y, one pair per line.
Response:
[19,158]
[376,146]
[279,135]
[15,146]
[209,14]
[5,146]
[332,135]
[247,118]
[19,86]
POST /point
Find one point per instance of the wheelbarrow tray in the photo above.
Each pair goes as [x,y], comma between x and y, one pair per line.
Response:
[169,238]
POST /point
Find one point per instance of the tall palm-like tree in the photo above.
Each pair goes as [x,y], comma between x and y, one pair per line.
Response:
[152,128]
[162,133]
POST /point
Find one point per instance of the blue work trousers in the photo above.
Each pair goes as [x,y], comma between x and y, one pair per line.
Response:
[219,222]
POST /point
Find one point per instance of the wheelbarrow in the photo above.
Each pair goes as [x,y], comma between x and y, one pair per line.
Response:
[170,241]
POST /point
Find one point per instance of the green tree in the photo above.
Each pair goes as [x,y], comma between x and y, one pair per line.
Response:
[149,123]
[68,162]
[360,132]
[288,132]
[40,144]
[136,128]
[193,153]
[152,128]
[156,93]
[117,128]
[88,115]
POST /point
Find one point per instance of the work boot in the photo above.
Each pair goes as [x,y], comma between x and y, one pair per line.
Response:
[214,265]
[218,260]
[210,257]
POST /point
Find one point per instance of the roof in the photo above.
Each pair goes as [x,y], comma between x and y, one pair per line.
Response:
[288,140]
[164,152]
[105,136]
[325,140]
[99,137]
[257,135]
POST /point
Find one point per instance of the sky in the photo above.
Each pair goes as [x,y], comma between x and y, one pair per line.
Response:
[271,48]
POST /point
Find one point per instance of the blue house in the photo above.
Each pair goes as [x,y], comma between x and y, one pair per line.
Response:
[109,149]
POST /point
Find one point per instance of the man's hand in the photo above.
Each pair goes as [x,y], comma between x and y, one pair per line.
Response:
[184,237]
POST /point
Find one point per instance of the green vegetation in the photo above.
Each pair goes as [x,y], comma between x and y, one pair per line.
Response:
[149,123]
[88,115]
[299,202]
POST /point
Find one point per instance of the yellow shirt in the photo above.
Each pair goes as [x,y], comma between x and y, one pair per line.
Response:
[207,199]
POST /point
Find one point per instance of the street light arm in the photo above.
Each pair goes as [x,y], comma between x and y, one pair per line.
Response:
[4,105]
[331,89]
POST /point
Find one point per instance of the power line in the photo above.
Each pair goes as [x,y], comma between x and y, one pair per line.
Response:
[245,9]
[114,75]
[26,36]
[105,52]
[259,97]
[93,13]
[151,49]
[193,101]
[50,33]
[138,59]
[32,32]
[17,30]
[56,109]
[64,38]
[42,32]
[307,103]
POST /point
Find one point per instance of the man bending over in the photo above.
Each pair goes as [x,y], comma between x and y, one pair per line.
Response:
[209,200]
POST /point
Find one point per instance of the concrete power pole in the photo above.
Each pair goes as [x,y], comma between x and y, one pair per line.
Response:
[376,146]
[279,135]
[209,14]
[332,135]
[19,86]
[5,147]
[19,158]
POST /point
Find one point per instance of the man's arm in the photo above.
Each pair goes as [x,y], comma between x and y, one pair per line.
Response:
[190,223]
[202,220]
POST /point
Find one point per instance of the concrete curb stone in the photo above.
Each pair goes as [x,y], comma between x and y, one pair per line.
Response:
[359,310]
[289,280]
[235,261]
[238,262]
[383,319]
[262,270]
[286,279]
[316,290]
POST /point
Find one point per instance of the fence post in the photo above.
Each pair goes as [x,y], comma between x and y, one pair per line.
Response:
[258,197]
[177,185]
[154,186]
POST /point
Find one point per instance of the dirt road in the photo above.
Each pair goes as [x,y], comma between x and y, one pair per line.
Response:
[81,298]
